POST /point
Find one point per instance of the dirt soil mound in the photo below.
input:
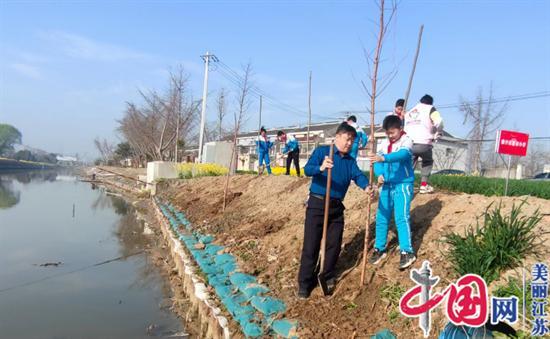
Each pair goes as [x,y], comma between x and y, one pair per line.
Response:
[263,226]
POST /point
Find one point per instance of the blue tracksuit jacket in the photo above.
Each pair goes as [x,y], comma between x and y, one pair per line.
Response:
[263,145]
[360,141]
[291,144]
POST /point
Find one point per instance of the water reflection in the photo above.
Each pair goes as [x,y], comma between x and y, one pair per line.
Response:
[9,194]
[116,300]
[9,197]
[25,177]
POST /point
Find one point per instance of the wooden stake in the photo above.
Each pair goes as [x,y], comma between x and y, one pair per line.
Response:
[373,94]
[309,116]
[413,68]
[320,276]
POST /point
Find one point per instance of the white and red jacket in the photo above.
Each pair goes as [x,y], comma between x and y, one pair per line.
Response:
[397,165]
[422,122]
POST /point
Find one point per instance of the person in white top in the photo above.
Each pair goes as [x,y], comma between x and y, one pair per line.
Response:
[424,125]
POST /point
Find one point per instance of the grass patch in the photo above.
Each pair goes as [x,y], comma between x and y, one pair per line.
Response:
[391,294]
[486,186]
[514,287]
[500,243]
[246,172]
[491,186]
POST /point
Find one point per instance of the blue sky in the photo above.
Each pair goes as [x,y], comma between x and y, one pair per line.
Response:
[67,68]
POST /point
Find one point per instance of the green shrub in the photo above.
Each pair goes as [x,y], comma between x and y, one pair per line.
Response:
[391,294]
[501,243]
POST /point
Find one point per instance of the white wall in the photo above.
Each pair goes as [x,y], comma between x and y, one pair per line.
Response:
[217,152]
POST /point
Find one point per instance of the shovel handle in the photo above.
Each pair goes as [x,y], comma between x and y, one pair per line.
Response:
[327,206]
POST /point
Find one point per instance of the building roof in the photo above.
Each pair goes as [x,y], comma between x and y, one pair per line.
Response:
[329,129]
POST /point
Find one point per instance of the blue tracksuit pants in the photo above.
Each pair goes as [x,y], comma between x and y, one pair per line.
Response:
[394,198]
[264,158]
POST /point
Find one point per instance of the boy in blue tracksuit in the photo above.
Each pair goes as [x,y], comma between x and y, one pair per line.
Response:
[360,140]
[292,149]
[263,145]
[393,168]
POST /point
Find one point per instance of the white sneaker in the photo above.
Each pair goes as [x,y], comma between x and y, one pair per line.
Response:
[426,189]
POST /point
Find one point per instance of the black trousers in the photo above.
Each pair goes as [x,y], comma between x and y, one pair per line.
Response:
[313,232]
[423,151]
[293,156]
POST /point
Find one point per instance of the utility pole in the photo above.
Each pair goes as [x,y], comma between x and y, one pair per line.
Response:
[259,133]
[260,120]
[207,57]
[309,116]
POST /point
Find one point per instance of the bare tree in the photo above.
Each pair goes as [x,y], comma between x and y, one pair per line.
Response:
[485,118]
[447,157]
[162,121]
[378,85]
[221,112]
[537,156]
[239,116]
[105,149]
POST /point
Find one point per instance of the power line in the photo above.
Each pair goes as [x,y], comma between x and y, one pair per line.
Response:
[257,92]
[518,97]
[253,91]
[504,99]
[236,79]
[486,140]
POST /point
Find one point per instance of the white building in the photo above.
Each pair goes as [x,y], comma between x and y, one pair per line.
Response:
[449,152]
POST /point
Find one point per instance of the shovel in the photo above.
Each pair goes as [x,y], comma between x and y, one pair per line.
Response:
[320,276]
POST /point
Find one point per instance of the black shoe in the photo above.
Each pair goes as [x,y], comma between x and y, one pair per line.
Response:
[303,292]
[407,259]
[377,256]
[331,286]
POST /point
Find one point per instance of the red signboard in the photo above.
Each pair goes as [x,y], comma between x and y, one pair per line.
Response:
[512,143]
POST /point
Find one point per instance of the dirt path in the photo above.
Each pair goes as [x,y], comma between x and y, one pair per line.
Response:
[263,226]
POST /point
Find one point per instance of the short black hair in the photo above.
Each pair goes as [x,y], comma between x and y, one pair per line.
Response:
[262,129]
[427,99]
[345,128]
[391,121]
[352,118]
[400,103]
[279,133]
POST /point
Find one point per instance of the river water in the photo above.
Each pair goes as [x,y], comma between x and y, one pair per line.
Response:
[48,219]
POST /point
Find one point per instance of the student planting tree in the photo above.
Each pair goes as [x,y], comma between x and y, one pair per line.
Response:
[393,168]
[344,170]
[292,149]
[264,145]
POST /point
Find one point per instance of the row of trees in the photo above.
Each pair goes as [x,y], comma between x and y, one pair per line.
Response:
[11,136]
[163,123]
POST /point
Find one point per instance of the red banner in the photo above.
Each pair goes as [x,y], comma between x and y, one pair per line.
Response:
[512,143]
